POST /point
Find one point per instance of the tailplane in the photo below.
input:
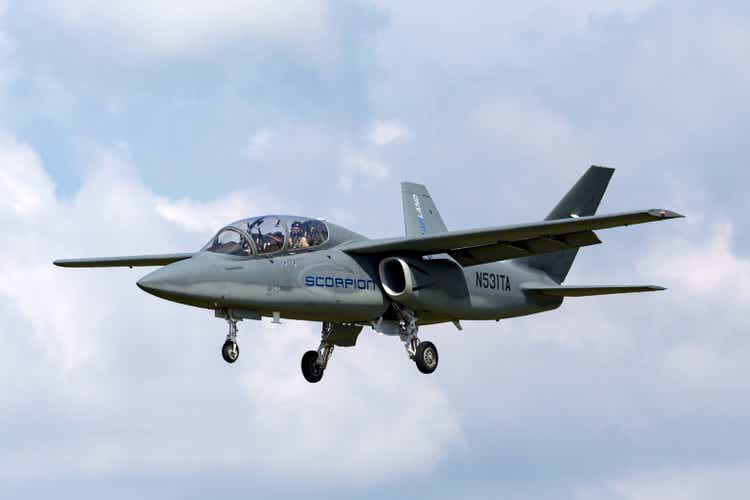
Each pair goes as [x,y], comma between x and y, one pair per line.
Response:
[587,291]
[583,199]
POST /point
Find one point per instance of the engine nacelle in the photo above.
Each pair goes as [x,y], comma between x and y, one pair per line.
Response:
[396,277]
[437,286]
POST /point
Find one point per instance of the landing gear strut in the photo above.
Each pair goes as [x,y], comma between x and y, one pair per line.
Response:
[424,354]
[230,351]
[314,362]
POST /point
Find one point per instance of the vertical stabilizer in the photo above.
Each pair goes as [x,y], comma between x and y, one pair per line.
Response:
[583,199]
[421,216]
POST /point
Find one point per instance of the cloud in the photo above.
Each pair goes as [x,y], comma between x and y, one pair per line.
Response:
[124,383]
[675,483]
[206,217]
[7,71]
[25,189]
[167,27]
[386,132]
[721,272]
[475,34]
[525,130]
[356,166]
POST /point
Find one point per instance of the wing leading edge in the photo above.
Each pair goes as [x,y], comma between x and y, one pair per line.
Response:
[130,261]
[473,247]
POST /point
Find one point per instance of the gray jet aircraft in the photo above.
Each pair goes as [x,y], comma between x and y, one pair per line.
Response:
[283,266]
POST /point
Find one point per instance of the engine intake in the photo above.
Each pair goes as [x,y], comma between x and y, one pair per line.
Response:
[397,277]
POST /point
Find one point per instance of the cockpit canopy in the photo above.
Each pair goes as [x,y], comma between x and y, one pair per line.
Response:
[269,234]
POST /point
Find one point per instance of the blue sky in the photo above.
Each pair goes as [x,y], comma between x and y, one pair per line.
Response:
[143,127]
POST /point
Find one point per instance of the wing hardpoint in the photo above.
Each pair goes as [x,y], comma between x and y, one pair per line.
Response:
[421,216]
[131,261]
[480,246]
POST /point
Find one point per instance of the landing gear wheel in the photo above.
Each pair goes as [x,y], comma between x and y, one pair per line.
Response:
[426,357]
[311,369]
[230,351]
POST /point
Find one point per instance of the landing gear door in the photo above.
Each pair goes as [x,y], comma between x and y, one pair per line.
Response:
[340,334]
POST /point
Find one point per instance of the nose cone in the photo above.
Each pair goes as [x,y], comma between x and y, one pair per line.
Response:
[153,282]
[182,282]
[160,282]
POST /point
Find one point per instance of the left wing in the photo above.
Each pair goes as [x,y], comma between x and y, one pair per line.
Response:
[480,246]
[131,261]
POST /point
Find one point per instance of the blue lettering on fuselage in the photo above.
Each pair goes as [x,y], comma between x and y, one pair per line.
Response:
[345,283]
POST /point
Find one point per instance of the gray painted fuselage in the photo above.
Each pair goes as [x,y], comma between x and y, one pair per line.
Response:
[328,284]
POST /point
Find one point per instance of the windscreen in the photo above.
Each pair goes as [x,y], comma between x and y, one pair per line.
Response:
[229,241]
[269,234]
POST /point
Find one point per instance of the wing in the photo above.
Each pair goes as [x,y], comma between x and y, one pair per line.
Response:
[586,291]
[480,246]
[131,261]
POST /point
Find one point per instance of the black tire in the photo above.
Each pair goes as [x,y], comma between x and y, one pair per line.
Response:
[230,351]
[426,357]
[311,370]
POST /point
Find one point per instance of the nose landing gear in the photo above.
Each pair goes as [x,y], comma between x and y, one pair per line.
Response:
[314,362]
[230,351]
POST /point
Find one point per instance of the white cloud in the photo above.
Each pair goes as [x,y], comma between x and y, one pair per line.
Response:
[356,166]
[206,217]
[7,71]
[675,483]
[386,132]
[531,134]
[476,34]
[25,189]
[705,267]
[171,27]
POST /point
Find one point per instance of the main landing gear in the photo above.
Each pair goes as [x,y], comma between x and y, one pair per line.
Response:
[314,362]
[424,354]
[230,351]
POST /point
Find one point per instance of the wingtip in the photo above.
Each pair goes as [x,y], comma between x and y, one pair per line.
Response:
[662,213]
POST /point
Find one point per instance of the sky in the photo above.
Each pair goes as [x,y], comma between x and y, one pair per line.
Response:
[143,127]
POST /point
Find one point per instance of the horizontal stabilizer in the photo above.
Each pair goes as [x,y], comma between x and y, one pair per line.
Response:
[586,291]
[131,261]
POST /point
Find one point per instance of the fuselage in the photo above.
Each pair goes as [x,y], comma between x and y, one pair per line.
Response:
[328,284]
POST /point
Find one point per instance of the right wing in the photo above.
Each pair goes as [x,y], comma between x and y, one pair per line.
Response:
[131,261]
[479,246]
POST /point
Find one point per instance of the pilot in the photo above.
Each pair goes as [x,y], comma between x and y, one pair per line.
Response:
[315,235]
[297,236]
